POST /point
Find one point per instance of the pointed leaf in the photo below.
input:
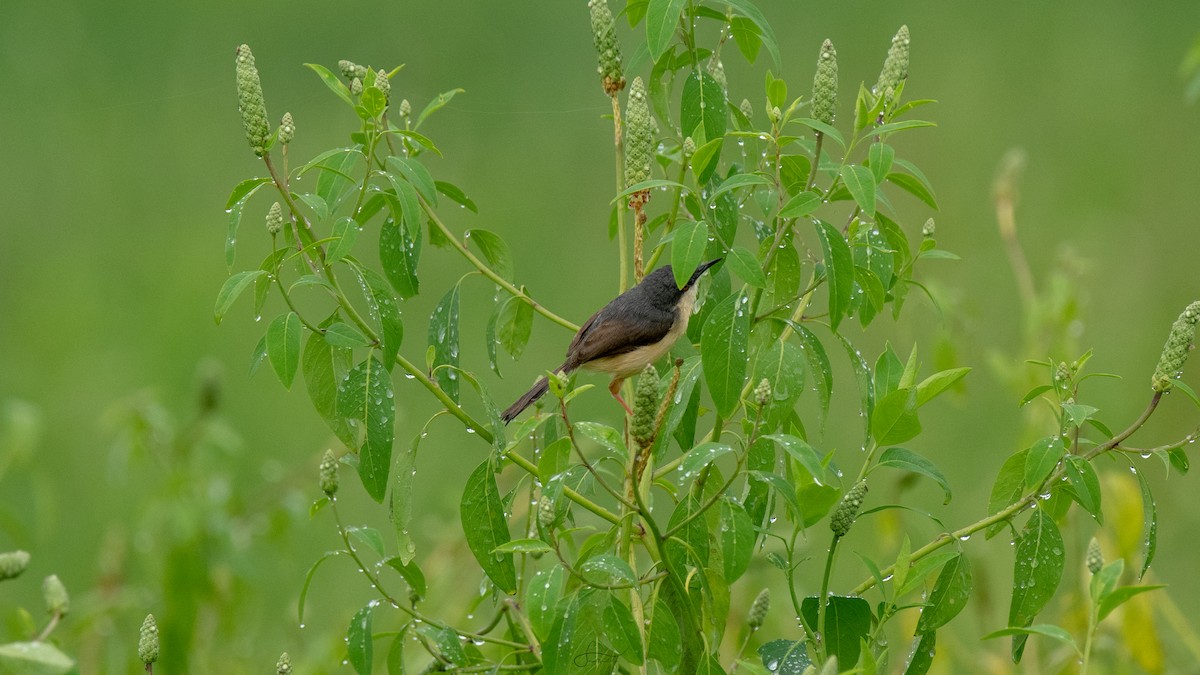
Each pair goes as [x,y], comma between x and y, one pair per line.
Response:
[723,344]
[895,418]
[687,249]
[231,289]
[949,596]
[839,271]
[662,18]
[365,397]
[702,105]
[443,337]
[861,184]
[907,460]
[937,383]
[283,346]
[1085,484]
[482,514]
[359,640]
[1037,573]
[1149,525]
[494,250]
[745,265]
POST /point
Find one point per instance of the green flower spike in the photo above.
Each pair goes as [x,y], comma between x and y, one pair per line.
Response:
[604,34]
[762,393]
[775,115]
[148,641]
[287,129]
[1175,352]
[929,228]
[284,665]
[405,108]
[747,109]
[349,69]
[328,473]
[847,509]
[825,85]
[717,70]
[645,405]
[689,148]
[274,219]
[545,512]
[250,102]
[356,87]
[382,83]
[12,564]
[759,609]
[895,66]
[55,595]
[638,139]
[1094,558]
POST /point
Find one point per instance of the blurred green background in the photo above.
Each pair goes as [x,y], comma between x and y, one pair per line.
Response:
[120,141]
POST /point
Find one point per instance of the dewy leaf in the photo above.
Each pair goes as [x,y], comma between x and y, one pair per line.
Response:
[482,514]
[436,104]
[701,456]
[345,233]
[514,325]
[737,538]
[543,600]
[937,383]
[383,310]
[861,184]
[847,623]
[880,158]
[231,289]
[283,346]
[662,18]
[494,250]
[1043,457]
[335,85]
[456,194]
[324,366]
[1149,525]
[723,344]
[1086,485]
[416,174]
[401,509]
[801,205]
[687,248]
[803,453]
[784,657]
[818,365]
[921,657]
[1122,595]
[702,105]
[839,271]
[443,337]
[895,418]
[907,460]
[359,639]
[34,658]
[750,11]
[746,266]
[234,206]
[950,594]
[365,397]
[399,250]
[1037,573]
[1009,485]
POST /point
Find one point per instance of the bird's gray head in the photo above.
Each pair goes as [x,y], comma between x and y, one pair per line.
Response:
[661,282]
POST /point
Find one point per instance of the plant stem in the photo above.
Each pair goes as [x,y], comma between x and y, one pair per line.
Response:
[812,175]
[1017,506]
[1087,643]
[619,151]
[821,641]
[489,273]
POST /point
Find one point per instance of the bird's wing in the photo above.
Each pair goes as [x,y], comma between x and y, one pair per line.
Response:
[618,329]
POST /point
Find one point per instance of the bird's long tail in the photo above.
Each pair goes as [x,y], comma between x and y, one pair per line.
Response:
[531,396]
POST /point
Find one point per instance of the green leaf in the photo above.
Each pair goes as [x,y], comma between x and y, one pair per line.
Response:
[1009,485]
[482,514]
[399,251]
[782,488]
[365,397]
[524,546]
[907,460]
[895,418]
[231,289]
[324,366]
[689,546]
[359,642]
[750,11]
[701,456]
[417,175]
[737,537]
[1037,573]
[829,131]
[622,631]
[435,105]
[1086,485]
[783,366]
[803,453]
[410,204]
[889,372]
[704,161]
[344,335]
[662,18]
[1043,457]
[413,576]
[455,194]
[234,206]
[801,205]
[383,311]
[746,266]
[1122,595]
[862,377]
[345,233]
[847,622]
[494,250]
[369,536]
[879,159]
[922,568]
[818,365]
[607,570]
[443,338]
[738,180]
[514,325]
[922,654]
[861,184]
[785,657]
[747,36]
[892,127]
[334,184]
[914,187]
[1044,629]
[34,658]
[335,85]
[283,346]
[689,373]
[702,105]
[544,600]
[649,185]
[605,435]
[839,271]
[401,509]
[935,384]
[949,596]
[1149,525]
[723,344]
[447,644]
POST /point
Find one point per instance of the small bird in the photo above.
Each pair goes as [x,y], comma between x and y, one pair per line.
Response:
[627,334]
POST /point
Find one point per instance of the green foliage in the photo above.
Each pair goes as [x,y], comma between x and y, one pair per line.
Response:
[630,547]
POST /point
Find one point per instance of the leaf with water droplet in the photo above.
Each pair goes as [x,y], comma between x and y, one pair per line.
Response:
[231,289]
[283,346]
[839,271]
[443,339]
[723,345]
[1034,585]
[921,656]
[1149,525]
[359,642]
[847,622]
[702,105]
[949,596]
[366,396]
[907,460]
[737,537]
[544,600]
[482,515]
[1043,456]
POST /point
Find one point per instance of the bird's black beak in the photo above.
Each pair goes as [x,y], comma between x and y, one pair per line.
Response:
[701,270]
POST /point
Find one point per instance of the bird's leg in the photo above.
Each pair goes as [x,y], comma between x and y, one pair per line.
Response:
[614,388]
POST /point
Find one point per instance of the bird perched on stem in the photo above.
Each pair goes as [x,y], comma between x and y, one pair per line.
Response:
[636,329]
